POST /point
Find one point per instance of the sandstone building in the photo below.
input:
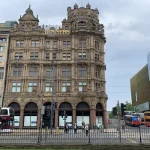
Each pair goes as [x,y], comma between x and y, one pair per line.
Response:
[77,50]
[4,43]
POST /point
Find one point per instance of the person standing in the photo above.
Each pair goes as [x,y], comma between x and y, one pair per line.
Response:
[75,128]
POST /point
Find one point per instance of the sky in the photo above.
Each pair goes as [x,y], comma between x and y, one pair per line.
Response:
[127,31]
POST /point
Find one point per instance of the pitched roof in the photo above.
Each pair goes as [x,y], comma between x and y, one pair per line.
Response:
[28,16]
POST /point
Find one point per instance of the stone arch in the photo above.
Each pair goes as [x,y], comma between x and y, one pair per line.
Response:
[17,108]
[30,115]
[82,113]
[30,101]
[7,102]
[65,114]
[65,106]
[99,113]
[47,114]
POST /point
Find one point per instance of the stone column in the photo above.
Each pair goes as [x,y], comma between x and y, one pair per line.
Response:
[74,116]
[21,118]
[92,117]
[39,117]
[105,118]
[56,118]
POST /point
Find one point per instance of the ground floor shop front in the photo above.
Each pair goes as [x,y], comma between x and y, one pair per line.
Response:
[30,115]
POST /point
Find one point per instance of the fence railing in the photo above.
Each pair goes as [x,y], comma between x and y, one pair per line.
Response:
[111,135]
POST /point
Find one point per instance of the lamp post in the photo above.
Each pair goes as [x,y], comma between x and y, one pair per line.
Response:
[53,102]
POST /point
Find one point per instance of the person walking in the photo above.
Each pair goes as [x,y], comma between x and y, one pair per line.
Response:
[123,125]
[94,126]
[75,128]
[87,129]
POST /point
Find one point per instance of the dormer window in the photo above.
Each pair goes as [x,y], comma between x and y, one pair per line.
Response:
[82,24]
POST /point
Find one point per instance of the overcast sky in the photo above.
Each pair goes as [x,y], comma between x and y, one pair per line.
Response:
[127,30]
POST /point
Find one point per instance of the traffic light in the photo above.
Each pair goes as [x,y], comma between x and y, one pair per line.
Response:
[114,111]
[123,109]
[56,104]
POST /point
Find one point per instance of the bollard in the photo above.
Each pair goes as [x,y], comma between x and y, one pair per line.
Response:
[57,130]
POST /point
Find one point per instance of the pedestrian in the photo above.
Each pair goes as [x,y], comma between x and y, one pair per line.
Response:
[123,124]
[75,128]
[87,129]
[94,126]
[99,125]
[83,126]
[66,128]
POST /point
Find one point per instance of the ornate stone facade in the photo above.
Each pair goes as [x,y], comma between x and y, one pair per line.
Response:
[79,68]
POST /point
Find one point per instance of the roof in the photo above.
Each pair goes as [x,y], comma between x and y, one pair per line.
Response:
[28,16]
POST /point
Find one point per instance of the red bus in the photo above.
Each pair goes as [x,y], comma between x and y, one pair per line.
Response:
[132,120]
[7,119]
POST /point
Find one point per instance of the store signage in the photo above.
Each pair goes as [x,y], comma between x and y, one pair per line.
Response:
[48,31]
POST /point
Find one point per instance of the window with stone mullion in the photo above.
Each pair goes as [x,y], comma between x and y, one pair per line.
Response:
[16,87]
[82,86]
[82,71]
[66,86]
[48,87]
[66,71]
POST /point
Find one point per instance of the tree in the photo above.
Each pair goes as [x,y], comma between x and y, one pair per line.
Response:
[129,106]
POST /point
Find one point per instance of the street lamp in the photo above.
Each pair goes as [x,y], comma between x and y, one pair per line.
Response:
[53,102]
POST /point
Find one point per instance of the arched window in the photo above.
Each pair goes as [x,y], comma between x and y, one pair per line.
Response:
[82,24]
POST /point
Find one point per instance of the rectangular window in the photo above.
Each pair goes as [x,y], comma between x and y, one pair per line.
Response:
[96,45]
[136,97]
[34,55]
[97,72]
[19,44]
[48,87]
[2,40]
[97,57]
[49,72]
[16,87]
[47,44]
[35,44]
[97,87]
[47,56]
[19,55]
[0,58]
[17,71]
[1,48]
[1,73]
[54,56]
[33,71]
[66,72]
[66,86]
[66,56]
[54,44]
[82,71]
[82,43]
[82,55]
[32,87]
[66,44]
[82,86]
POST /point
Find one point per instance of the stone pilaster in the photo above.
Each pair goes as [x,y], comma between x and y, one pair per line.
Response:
[21,118]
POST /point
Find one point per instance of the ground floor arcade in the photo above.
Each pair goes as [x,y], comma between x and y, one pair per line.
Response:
[30,115]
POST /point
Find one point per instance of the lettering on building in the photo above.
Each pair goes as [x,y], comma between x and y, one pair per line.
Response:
[57,32]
